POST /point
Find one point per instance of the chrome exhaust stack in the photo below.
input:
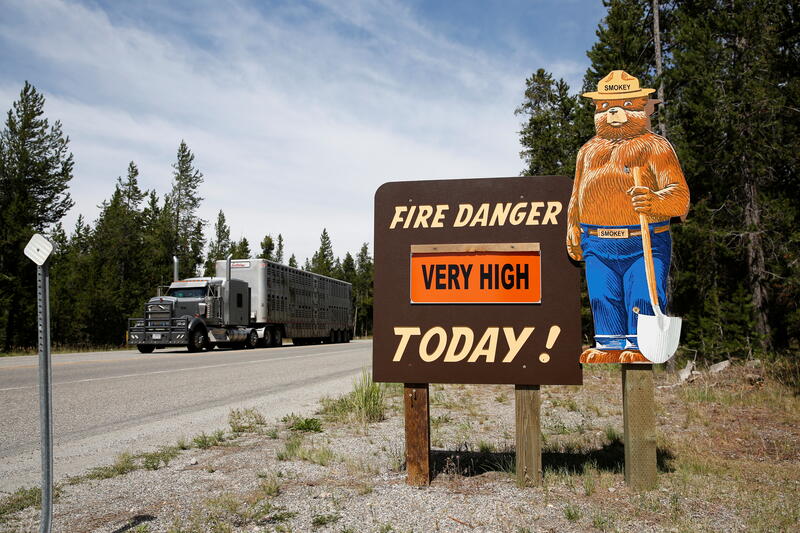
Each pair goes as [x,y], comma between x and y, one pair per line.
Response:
[175,268]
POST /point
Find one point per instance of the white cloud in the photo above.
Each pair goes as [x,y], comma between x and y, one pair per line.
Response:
[296,115]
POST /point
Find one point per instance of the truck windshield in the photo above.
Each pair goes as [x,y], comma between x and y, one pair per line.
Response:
[187,292]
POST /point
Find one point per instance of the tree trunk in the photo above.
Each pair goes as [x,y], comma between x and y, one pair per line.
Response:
[11,322]
[662,130]
[756,262]
[662,125]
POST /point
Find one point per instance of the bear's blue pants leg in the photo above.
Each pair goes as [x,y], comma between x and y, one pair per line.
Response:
[606,295]
[635,281]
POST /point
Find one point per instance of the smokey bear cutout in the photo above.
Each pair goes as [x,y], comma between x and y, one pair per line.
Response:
[604,227]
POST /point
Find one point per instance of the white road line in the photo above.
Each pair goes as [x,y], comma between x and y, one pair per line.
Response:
[175,370]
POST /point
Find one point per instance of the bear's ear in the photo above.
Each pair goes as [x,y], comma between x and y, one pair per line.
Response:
[650,106]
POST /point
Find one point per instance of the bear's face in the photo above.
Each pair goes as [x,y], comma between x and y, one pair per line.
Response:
[620,119]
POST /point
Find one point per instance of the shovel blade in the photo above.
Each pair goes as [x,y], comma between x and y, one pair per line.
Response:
[658,336]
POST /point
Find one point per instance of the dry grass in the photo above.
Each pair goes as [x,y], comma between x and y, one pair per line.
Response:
[366,403]
[246,420]
[295,448]
[728,460]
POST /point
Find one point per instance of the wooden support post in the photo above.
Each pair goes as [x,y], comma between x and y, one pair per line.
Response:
[639,419]
[529,443]
[418,434]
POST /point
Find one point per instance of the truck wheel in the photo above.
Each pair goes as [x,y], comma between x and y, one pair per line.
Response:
[252,340]
[277,337]
[145,348]
[197,340]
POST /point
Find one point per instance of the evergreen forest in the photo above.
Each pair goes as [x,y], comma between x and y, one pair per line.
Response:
[102,272]
[727,72]
[729,83]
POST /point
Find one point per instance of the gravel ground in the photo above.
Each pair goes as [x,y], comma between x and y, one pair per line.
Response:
[352,477]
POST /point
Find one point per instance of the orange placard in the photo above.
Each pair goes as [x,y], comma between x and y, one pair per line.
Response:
[505,273]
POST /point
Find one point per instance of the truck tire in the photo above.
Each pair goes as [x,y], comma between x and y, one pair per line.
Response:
[277,337]
[145,348]
[197,339]
[252,340]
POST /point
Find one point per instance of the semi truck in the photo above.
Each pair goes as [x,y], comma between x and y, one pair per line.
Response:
[249,303]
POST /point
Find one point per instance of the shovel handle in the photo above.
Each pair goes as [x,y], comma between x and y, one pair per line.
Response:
[649,268]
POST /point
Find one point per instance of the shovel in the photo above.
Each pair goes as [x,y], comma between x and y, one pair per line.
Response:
[657,335]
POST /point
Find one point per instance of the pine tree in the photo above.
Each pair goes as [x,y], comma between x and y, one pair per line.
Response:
[293,261]
[267,247]
[279,249]
[159,241]
[550,134]
[363,290]
[220,245]
[71,288]
[130,192]
[323,260]
[184,200]
[35,170]
[348,269]
[336,271]
[241,249]
[624,42]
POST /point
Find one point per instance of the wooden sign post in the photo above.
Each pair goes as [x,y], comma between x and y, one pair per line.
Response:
[418,433]
[639,421]
[473,285]
[528,401]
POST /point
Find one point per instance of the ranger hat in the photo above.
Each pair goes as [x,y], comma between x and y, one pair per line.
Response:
[619,84]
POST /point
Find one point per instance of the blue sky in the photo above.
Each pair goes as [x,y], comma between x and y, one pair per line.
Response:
[296,111]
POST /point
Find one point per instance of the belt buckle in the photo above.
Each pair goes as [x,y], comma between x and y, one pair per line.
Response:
[613,233]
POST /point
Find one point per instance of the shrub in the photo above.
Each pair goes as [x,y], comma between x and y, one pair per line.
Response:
[364,404]
[245,420]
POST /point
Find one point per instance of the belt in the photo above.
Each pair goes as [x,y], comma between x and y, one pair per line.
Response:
[622,233]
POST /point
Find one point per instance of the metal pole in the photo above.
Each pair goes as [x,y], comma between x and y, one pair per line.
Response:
[45,396]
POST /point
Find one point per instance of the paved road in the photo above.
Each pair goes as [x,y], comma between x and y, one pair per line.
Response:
[108,402]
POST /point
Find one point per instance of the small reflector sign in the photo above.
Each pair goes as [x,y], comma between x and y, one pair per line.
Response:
[476,273]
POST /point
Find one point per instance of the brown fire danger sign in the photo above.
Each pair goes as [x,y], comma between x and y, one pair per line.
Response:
[473,283]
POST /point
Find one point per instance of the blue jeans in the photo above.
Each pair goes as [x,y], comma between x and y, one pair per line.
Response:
[618,284]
